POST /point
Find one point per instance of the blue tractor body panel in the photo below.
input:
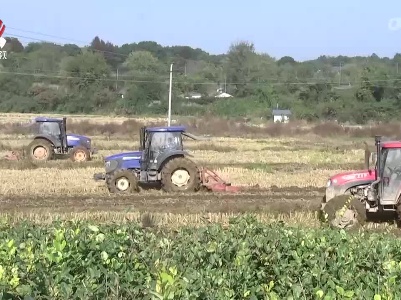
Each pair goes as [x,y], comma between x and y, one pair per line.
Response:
[127,160]
[74,140]
[125,156]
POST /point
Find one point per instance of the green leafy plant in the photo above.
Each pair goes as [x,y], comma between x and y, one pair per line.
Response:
[246,260]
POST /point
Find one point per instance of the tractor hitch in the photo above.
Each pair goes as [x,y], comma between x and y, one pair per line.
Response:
[213,182]
[99,176]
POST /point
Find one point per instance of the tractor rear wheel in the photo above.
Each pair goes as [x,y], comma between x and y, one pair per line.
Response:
[80,154]
[40,150]
[180,175]
[123,182]
[344,211]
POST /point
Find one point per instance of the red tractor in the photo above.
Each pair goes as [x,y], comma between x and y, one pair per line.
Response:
[352,198]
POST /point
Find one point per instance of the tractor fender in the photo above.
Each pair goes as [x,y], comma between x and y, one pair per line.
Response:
[334,191]
[48,138]
[164,158]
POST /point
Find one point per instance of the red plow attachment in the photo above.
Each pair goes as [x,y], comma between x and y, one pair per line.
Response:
[12,155]
[215,183]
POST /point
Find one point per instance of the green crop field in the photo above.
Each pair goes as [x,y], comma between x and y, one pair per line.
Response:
[246,260]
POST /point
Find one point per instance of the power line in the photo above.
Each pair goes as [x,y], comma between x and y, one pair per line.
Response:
[265,79]
[44,41]
[61,45]
[75,77]
[124,55]
[61,38]
[197,83]
[48,35]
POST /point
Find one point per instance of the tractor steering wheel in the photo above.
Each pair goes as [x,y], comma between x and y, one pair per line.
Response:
[396,170]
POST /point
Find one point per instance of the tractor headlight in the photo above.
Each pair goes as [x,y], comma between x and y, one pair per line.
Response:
[110,166]
[331,182]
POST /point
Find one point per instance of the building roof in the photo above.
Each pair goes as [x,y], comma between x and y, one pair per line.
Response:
[285,112]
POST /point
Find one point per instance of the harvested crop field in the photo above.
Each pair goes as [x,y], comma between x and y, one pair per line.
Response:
[279,176]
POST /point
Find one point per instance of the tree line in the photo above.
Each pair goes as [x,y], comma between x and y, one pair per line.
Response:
[134,79]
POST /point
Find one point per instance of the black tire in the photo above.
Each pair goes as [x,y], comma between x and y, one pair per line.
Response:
[194,182]
[80,154]
[114,184]
[328,213]
[45,145]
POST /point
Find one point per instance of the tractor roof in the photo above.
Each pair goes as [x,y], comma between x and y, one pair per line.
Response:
[391,144]
[166,129]
[46,119]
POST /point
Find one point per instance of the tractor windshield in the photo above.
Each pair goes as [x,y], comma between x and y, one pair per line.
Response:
[391,172]
[166,140]
[49,128]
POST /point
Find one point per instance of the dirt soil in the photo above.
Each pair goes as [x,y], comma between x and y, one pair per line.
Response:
[274,200]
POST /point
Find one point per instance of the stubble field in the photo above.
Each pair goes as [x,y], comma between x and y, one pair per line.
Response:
[282,177]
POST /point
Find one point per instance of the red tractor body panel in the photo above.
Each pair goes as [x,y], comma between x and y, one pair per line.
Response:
[353,176]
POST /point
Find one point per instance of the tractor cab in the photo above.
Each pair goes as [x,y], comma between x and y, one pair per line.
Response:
[159,143]
[387,184]
[53,129]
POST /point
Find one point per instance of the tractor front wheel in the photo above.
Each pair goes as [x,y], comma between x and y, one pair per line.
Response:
[180,175]
[40,150]
[122,181]
[80,154]
[344,211]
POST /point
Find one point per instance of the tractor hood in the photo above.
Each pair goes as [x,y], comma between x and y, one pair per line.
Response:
[76,137]
[125,155]
[352,176]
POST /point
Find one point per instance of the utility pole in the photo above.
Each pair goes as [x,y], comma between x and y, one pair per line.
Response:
[169,96]
[339,80]
[117,80]
[225,84]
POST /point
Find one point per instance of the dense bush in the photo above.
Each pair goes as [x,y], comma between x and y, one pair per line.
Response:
[247,260]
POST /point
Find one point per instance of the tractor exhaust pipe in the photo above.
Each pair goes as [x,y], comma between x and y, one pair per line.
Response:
[373,193]
[378,155]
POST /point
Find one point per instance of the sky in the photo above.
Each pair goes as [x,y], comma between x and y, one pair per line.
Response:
[301,29]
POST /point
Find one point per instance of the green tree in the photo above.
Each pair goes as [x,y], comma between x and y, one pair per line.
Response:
[240,66]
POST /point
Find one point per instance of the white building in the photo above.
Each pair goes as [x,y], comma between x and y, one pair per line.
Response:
[281,115]
[223,95]
[194,95]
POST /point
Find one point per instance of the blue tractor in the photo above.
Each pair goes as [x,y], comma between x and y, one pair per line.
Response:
[51,139]
[161,159]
